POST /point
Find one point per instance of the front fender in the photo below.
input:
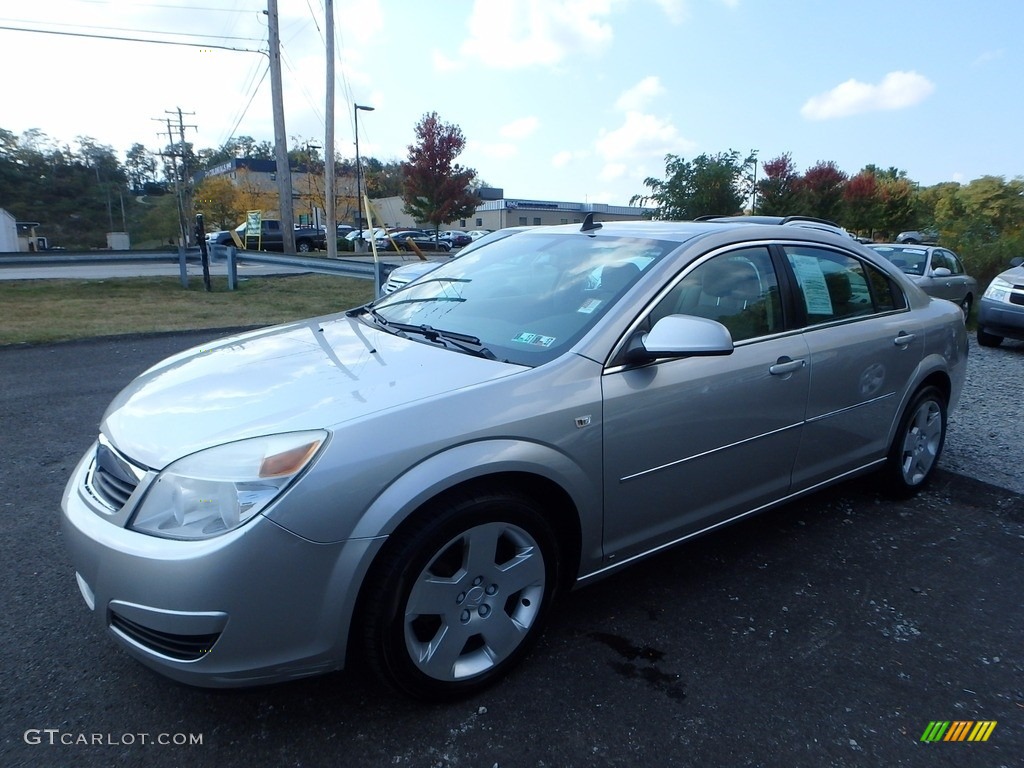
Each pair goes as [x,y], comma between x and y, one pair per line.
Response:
[480,459]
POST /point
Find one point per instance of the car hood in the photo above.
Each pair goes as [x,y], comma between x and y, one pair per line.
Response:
[309,375]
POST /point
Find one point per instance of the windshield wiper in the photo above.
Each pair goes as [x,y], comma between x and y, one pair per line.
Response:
[464,342]
[461,341]
[367,309]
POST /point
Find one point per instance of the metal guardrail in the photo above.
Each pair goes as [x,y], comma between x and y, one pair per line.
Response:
[361,269]
[365,270]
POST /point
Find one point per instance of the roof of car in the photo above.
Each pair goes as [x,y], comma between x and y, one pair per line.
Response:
[685,230]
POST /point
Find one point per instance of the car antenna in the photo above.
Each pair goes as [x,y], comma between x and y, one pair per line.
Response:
[589,224]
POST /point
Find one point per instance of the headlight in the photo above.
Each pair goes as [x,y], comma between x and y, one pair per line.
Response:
[217,490]
[998,290]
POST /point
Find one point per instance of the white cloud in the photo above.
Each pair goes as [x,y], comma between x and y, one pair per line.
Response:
[492,151]
[517,34]
[676,10]
[613,171]
[641,136]
[897,90]
[640,140]
[563,158]
[637,97]
[987,57]
[519,129]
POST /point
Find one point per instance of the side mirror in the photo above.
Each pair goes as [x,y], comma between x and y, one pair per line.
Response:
[680,336]
[1016,261]
[941,272]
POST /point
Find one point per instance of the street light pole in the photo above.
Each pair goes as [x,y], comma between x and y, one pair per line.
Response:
[359,171]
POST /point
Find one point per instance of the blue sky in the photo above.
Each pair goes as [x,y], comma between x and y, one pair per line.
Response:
[574,100]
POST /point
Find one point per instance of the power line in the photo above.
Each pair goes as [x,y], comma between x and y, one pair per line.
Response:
[138,31]
[131,39]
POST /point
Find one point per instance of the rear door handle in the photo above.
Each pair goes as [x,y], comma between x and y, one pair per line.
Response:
[786,365]
[903,339]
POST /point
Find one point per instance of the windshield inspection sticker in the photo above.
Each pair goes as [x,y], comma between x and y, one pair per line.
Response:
[534,338]
[589,305]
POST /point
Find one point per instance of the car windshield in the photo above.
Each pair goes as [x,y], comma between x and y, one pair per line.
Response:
[527,298]
[911,261]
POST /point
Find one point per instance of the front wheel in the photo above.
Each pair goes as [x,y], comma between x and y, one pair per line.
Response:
[459,596]
[987,339]
[917,445]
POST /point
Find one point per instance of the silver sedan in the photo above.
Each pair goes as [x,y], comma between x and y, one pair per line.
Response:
[937,271]
[414,483]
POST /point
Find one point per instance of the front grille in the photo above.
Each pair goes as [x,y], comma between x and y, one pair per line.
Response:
[180,647]
[1017,295]
[113,478]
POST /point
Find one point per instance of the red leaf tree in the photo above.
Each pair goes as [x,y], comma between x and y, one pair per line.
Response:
[436,189]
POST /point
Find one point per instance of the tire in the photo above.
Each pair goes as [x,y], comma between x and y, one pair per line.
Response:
[303,246]
[986,339]
[459,596]
[965,306]
[917,445]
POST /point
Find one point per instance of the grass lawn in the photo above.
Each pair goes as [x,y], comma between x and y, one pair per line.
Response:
[39,311]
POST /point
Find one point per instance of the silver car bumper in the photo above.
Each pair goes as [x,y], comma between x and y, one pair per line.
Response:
[1001,318]
[257,605]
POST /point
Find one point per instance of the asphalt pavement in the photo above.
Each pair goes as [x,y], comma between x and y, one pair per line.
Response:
[831,632]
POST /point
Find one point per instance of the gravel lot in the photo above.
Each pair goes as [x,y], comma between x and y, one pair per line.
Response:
[986,431]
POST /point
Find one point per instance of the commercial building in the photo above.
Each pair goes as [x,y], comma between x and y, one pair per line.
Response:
[497,212]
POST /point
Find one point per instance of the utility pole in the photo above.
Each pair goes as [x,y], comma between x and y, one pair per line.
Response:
[331,198]
[284,174]
[173,172]
[186,174]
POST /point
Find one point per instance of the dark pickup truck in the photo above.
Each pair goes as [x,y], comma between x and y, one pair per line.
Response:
[306,238]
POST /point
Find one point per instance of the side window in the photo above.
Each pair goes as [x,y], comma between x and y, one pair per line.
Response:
[831,285]
[887,296]
[739,289]
[948,260]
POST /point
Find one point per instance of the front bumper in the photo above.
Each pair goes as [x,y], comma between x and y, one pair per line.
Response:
[1001,318]
[256,605]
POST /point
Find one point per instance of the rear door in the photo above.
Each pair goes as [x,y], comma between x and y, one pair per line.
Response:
[864,346]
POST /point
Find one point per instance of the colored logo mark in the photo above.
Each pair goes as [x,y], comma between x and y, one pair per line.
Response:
[958,730]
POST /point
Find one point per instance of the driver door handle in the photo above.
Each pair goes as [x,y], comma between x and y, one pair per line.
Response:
[786,365]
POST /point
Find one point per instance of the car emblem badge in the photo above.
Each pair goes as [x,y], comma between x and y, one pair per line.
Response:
[582,421]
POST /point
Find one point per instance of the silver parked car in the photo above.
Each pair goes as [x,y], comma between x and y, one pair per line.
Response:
[1001,309]
[937,271]
[415,482]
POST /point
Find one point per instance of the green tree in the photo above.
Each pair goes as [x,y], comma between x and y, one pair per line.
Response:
[709,184]
[436,189]
[898,199]
[140,168]
[219,202]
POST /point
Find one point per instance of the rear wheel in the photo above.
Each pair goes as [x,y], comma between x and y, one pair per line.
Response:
[304,246]
[965,306]
[987,339]
[917,445]
[459,596]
